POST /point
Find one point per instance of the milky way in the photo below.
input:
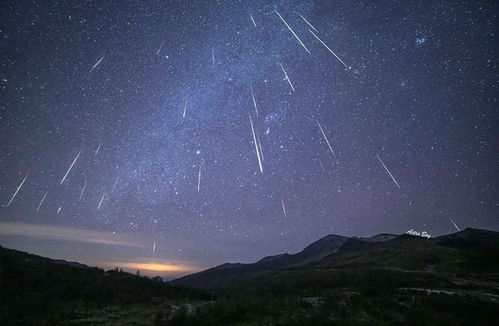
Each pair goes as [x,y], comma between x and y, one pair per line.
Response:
[145,105]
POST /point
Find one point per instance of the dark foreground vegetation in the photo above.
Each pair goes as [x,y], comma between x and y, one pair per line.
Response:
[41,291]
[384,280]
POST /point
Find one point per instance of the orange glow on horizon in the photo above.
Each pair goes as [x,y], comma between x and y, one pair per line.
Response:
[157,267]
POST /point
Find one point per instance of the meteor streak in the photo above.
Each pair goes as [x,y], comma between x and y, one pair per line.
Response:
[327,140]
[260,147]
[327,47]
[199,177]
[95,65]
[70,167]
[322,167]
[185,109]
[284,207]
[115,183]
[41,202]
[97,150]
[291,30]
[256,145]
[17,190]
[154,247]
[254,101]
[455,225]
[388,171]
[83,189]
[306,21]
[160,47]
[101,200]
[252,19]
[286,77]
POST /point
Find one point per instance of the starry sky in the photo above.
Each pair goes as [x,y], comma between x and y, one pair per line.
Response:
[126,132]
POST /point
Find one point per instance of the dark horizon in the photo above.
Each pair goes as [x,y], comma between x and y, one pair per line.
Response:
[166,273]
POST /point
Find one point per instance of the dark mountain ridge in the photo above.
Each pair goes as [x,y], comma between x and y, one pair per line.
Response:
[406,252]
[382,280]
[314,252]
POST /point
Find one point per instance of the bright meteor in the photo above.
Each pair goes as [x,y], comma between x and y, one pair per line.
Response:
[70,167]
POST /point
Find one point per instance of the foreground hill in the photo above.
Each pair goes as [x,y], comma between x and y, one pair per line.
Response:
[383,280]
[40,291]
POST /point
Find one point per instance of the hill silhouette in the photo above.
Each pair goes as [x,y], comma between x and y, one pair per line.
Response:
[382,280]
[470,250]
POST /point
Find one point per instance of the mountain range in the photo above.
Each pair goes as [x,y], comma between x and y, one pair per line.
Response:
[470,250]
[386,279]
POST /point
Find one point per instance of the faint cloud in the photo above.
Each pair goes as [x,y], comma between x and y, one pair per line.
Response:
[54,232]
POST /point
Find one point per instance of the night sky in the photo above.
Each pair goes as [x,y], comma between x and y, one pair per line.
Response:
[152,101]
